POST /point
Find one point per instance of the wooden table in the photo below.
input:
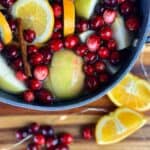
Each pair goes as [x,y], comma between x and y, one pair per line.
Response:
[12,118]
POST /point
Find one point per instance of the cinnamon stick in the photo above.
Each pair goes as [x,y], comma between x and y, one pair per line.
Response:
[23,46]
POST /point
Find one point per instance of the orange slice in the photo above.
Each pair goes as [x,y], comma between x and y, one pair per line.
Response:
[131,92]
[118,125]
[5,30]
[69,17]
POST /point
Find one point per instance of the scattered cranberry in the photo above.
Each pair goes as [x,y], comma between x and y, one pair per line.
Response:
[90,57]
[66,138]
[1,46]
[111,3]
[7,3]
[17,64]
[81,50]
[29,35]
[115,57]
[99,9]
[32,146]
[57,9]
[121,1]
[71,41]
[97,22]
[103,78]
[92,83]
[51,142]
[20,75]
[82,26]
[58,25]
[32,49]
[12,51]
[106,33]
[21,134]
[34,84]
[28,96]
[39,139]
[34,128]
[40,72]
[56,45]
[100,66]
[89,69]
[104,53]
[13,24]
[47,130]
[112,44]
[87,133]
[61,147]
[93,43]
[46,54]
[56,35]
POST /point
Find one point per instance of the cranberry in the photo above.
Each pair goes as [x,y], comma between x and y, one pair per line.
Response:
[90,57]
[61,147]
[87,133]
[82,26]
[21,134]
[99,9]
[17,64]
[89,69]
[57,9]
[51,142]
[1,46]
[34,84]
[45,96]
[20,75]
[104,53]
[109,16]
[7,3]
[40,72]
[47,130]
[56,45]
[103,78]
[28,96]
[93,43]
[29,35]
[97,22]
[71,41]
[32,49]
[46,54]
[32,146]
[133,23]
[39,139]
[100,66]
[121,1]
[111,2]
[115,57]
[36,58]
[106,33]
[92,83]
[66,138]
[56,35]
[58,25]
[13,24]
[81,50]
[12,51]
[34,128]
[112,44]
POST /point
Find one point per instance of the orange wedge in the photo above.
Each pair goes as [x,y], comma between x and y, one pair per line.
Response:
[5,30]
[118,125]
[131,92]
[69,17]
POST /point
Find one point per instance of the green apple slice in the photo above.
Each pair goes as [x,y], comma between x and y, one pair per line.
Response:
[121,34]
[8,81]
[66,78]
[85,8]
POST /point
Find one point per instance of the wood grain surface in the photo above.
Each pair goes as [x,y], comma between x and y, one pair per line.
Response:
[72,121]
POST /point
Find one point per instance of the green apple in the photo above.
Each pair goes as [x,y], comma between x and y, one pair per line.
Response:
[84,35]
[8,80]
[85,8]
[121,34]
[66,78]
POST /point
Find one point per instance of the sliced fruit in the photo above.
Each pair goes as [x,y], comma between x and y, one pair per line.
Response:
[5,31]
[85,8]
[8,80]
[131,92]
[69,17]
[121,34]
[36,15]
[66,78]
[118,125]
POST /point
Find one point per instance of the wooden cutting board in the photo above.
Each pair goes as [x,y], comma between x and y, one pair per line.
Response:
[73,120]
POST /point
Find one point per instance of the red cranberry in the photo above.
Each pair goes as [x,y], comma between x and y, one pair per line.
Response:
[61,147]
[39,139]
[109,16]
[111,2]
[97,22]
[99,9]
[89,69]
[90,57]
[56,45]
[66,138]
[46,54]
[133,23]
[100,66]
[13,25]
[34,84]
[121,1]
[47,130]
[32,49]
[28,96]
[12,51]
[82,26]
[112,44]
[56,35]
[127,8]
[51,142]
[71,41]
[81,50]
[104,53]
[36,58]
[93,43]
[87,133]
[17,64]
[21,134]
[20,75]
[115,57]
[58,25]
[32,146]
[106,33]
[34,128]
[92,83]
[29,35]
[7,3]
[57,9]
[40,72]
[1,46]
[103,78]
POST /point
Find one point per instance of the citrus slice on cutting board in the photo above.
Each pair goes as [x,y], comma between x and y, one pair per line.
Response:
[69,17]
[118,125]
[36,15]
[5,31]
[131,92]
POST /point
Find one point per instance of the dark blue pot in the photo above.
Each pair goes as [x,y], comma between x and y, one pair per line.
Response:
[127,65]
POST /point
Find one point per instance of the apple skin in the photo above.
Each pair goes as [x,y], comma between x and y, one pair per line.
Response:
[66,78]
[8,80]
